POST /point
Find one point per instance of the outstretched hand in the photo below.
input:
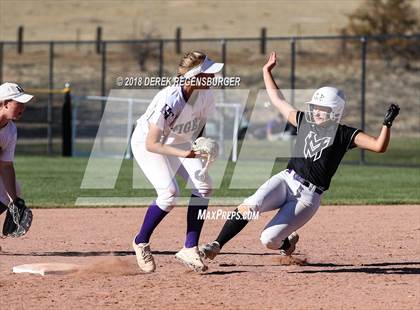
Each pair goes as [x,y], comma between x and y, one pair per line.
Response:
[271,63]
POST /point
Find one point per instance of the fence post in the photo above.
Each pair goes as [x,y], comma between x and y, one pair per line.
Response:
[223,44]
[78,32]
[223,57]
[20,40]
[178,40]
[98,39]
[292,69]
[363,91]
[73,128]
[66,122]
[1,62]
[103,74]
[50,98]
[128,153]
[343,41]
[161,50]
[263,43]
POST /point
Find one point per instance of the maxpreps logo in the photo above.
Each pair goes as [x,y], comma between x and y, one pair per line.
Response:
[314,146]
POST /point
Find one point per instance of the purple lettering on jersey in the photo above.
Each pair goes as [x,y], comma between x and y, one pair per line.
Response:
[195,124]
[178,128]
[167,112]
[187,127]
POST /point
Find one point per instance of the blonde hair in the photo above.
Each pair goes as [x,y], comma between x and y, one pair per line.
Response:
[189,61]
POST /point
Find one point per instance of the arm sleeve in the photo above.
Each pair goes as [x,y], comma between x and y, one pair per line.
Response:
[348,136]
[157,119]
[161,114]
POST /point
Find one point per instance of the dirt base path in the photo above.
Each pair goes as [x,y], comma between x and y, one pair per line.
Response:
[348,257]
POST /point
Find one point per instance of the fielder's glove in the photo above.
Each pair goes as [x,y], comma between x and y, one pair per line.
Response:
[391,114]
[207,146]
[18,219]
[209,149]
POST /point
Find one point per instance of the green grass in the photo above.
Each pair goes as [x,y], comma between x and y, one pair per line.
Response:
[56,181]
[401,150]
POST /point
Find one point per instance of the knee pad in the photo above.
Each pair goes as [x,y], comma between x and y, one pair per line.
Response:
[269,241]
[250,204]
[166,199]
[204,190]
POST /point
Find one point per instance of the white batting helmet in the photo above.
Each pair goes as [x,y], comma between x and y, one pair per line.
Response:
[332,98]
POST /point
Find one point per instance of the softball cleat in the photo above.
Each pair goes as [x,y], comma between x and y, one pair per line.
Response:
[293,239]
[210,250]
[144,257]
[190,257]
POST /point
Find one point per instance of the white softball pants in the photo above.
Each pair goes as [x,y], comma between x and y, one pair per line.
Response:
[160,170]
[297,204]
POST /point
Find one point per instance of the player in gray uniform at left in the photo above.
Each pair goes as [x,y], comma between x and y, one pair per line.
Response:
[296,192]
[12,105]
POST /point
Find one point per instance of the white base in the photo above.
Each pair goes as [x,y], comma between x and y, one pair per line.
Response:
[47,268]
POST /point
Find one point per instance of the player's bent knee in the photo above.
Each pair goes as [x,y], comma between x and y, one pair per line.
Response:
[167,199]
[202,193]
[205,190]
[242,209]
[269,241]
[165,207]
[246,209]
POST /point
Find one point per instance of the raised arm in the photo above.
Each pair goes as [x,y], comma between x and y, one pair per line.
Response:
[380,143]
[275,94]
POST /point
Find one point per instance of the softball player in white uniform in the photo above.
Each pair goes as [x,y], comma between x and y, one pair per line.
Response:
[12,105]
[161,145]
[297,191]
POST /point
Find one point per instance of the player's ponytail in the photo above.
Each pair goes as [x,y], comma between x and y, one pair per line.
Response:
[189,61]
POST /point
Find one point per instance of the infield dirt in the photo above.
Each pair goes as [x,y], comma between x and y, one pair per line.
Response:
[348,257]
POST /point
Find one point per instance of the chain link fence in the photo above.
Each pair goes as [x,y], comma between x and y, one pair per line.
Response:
[372,71]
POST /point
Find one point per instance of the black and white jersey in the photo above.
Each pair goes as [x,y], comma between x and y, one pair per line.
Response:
[318,150]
